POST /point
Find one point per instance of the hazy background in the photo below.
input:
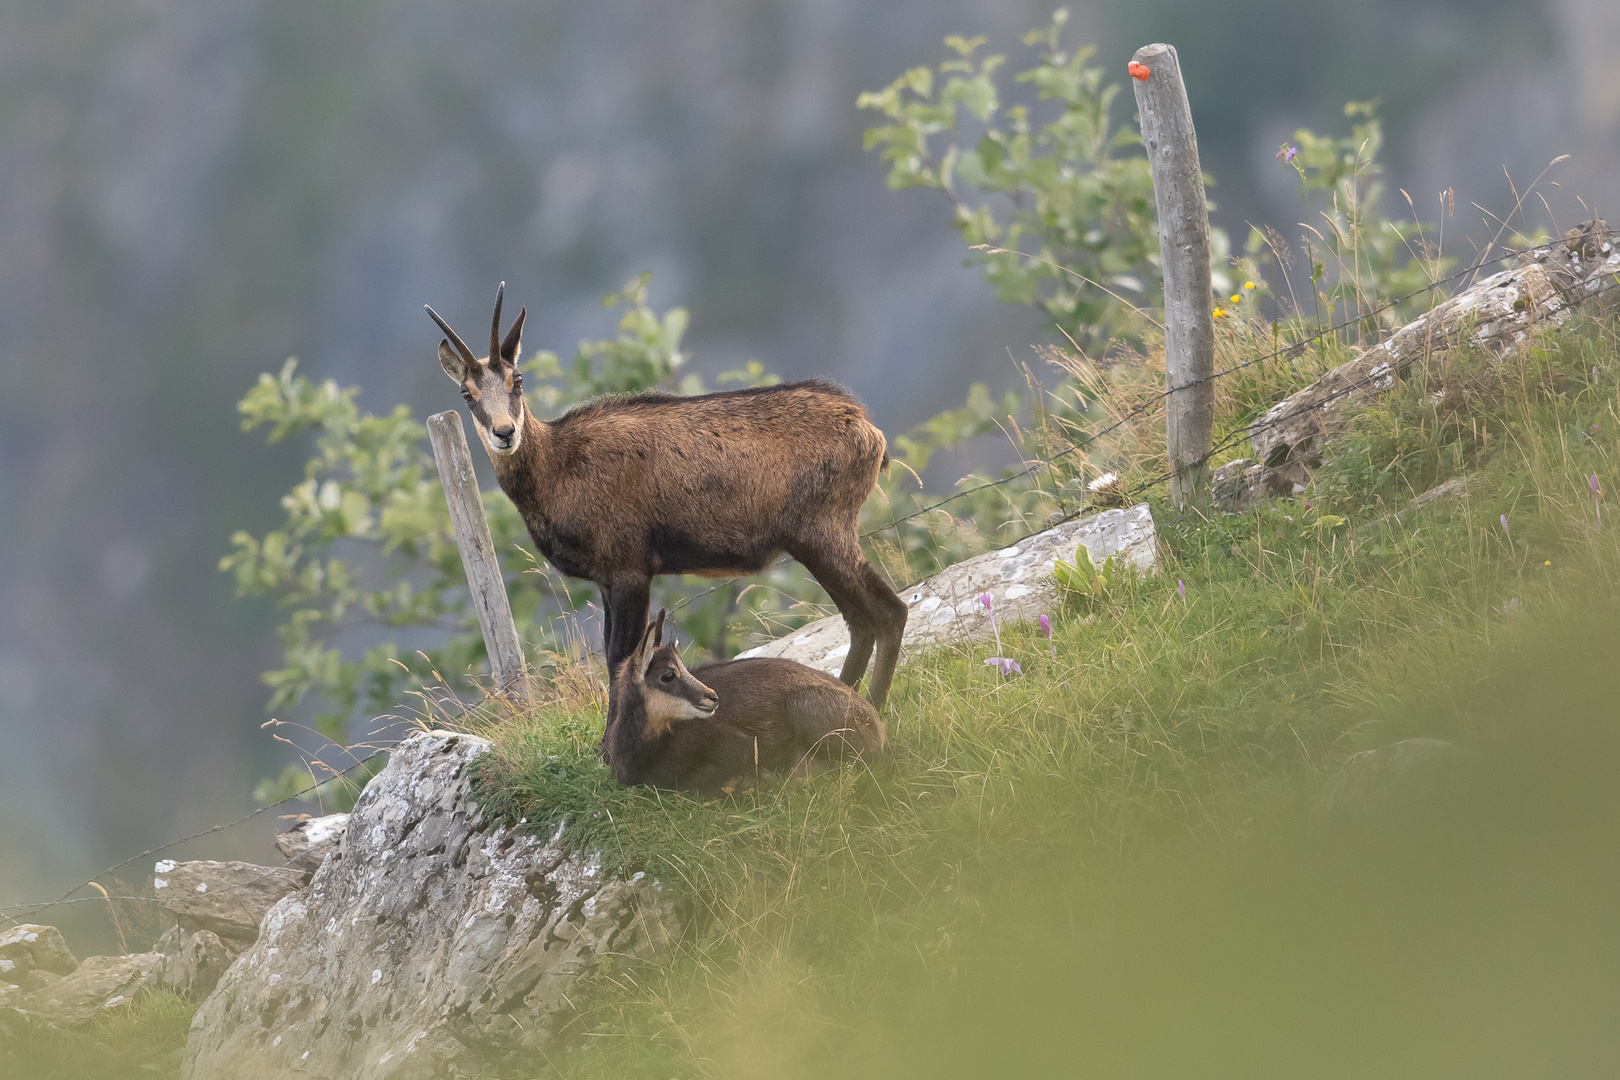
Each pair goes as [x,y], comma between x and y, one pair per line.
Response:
[190,193]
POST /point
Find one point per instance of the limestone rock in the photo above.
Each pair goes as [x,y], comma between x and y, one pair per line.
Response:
[38,979]
[1451,489]
[1376,786]
[427,931]
[194,961]
[1494,314]
[1239,485]
[311,840]
[27,946]
[227,898]
[99,984]
[946,609]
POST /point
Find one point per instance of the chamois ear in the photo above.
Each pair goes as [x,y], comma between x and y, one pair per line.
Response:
[451,363]
[512,347]
[460,363]
[645,652]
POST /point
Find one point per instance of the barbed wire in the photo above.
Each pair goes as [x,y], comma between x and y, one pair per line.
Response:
[1296,346]
[26,911]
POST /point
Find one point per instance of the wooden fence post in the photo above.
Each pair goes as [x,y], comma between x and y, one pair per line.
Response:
[484,581]
[1189,326]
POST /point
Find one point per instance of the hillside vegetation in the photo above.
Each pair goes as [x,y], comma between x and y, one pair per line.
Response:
[1104,864]
[1107,865]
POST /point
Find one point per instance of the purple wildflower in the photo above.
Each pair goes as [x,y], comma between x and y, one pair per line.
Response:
[1046,628]
[1505,528]
[1181,590]
[1287,153]
[1510,608]
[984,598]
[1001,662]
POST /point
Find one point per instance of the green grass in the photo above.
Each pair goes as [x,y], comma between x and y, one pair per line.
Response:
[1101,867]
[143,1040]
[841,924]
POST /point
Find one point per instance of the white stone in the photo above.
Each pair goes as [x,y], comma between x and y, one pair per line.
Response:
[952,612]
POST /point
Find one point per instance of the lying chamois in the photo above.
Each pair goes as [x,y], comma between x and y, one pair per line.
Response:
[673,728]
[625,488]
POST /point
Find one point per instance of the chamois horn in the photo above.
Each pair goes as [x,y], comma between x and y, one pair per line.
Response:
[495,327]
[455,338]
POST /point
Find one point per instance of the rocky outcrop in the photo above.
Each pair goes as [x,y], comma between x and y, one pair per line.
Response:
[427,931]
[946,609]
[1494,314]
[193,961]
[1379,786]
[27,947]
[1242,484]
[311,840]
[100,984]
[225,898]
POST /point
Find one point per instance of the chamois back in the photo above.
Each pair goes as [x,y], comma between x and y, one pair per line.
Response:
[801,716]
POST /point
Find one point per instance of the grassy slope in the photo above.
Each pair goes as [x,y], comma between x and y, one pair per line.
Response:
[1098,867]
[865,920]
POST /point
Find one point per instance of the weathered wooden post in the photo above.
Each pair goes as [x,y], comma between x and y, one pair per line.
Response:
[1189,325]
[484,581]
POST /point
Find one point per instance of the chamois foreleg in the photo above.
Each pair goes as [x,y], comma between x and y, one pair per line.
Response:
[624,622]
[626,600]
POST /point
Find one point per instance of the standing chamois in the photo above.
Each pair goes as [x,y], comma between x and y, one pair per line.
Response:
[719,727]
[621,489]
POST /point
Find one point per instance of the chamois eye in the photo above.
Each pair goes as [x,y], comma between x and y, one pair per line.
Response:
[517,382]
[466,395]
[667,677]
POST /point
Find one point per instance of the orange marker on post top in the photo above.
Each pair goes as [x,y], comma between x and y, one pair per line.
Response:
[1139,72]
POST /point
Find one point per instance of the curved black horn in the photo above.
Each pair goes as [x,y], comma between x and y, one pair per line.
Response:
[495,326]
[455,338]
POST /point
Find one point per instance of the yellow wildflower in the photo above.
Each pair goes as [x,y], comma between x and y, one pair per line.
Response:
[1220,313]
[1236,298]
[1248,284]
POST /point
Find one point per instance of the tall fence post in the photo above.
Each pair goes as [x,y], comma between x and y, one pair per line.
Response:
[1189,326]
[484,581]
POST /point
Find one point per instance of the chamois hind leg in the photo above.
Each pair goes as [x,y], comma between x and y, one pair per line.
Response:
[840,576]
[887,613]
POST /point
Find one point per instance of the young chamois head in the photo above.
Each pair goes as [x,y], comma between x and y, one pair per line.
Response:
[493,386]
[668,692]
